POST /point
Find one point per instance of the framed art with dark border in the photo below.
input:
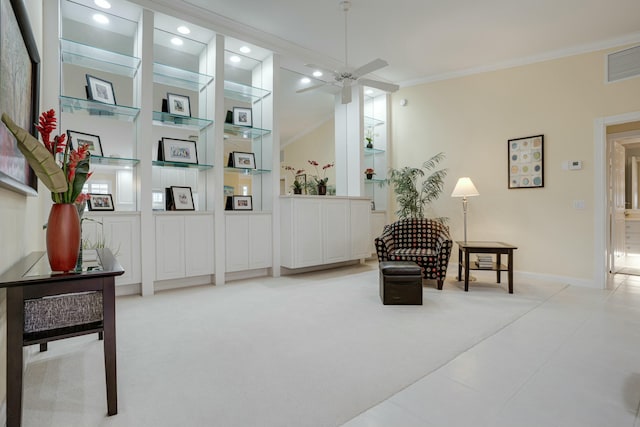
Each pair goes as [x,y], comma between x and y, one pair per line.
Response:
[100,202]
[178,105]
[526,162]
[78,139]
[19,93]
[242,116]
[178,151]
[238,159]
[100,90]
[242,203]
[181,198]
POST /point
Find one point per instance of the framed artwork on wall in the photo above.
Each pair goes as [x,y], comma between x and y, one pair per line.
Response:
[526,162]
[77,139]
[20,75]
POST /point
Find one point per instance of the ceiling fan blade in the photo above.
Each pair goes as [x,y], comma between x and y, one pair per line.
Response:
[346,94]
[370,67]
[323,69]
[306,89]
[387,87]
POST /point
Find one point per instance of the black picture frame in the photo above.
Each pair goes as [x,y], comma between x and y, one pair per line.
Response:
[302,179]
[242,117]
[19,71]
[178,105]
[100,202]
[178,150]
[242,203]
[100,90]
[76,139]
[525,162]
[181,198]
[242,160]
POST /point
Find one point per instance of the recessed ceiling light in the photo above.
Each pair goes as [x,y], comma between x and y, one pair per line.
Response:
[317,73]
[235,58]
[305,80]
[100,18]
[103,4]
[182,29]
[177,41]
[245,49]
[368,92]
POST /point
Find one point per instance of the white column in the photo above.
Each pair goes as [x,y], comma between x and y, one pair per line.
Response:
[348,144]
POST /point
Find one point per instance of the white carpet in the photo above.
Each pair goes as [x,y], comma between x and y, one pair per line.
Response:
[307,350]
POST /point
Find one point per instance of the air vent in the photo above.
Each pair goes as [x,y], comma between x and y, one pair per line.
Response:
[623,64]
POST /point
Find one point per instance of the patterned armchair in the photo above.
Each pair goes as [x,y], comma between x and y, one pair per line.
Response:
[424,241]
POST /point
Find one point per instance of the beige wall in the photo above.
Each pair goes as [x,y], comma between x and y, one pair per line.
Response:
[471,118]
[317,145]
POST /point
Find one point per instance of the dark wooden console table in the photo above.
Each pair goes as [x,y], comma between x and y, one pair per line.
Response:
[495,248]
[30,279]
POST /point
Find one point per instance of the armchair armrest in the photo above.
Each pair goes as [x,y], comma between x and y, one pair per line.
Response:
[384,244]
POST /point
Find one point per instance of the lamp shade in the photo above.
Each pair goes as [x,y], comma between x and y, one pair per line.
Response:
[465,188]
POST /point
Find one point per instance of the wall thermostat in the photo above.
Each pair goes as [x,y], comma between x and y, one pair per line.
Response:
[575,165]
[403,102]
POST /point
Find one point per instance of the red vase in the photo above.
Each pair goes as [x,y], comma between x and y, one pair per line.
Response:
[63,237]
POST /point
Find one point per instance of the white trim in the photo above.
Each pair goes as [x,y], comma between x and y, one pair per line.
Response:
[600,183]
[547,56]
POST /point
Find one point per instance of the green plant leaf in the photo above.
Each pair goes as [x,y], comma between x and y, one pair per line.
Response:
[82,170]
[39,158]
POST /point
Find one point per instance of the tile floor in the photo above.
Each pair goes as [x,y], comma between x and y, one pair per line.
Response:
[573,361]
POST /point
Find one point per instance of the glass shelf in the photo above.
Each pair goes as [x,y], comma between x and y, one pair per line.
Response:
[244,131]
[370,122]
[246,171]
[113,161]
[374,180]
[372,151]
[93,108]
[200,166]
[244,93]
[166,119]
[98,59]
[176,77]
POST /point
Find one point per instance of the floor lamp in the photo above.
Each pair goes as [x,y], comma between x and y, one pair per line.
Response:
[465,188]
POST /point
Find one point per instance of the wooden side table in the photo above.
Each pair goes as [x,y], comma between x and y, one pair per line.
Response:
[495,248]
[31,279]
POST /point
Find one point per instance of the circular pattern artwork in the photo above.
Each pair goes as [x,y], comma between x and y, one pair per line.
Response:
[526,162]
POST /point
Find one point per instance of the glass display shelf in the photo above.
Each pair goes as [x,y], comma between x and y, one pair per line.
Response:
[171,76]
[372,151]
[199,166]
[244,93]
[113,161]
[98,59]
[370,122]
[244,171]
[244,131]
[93,108]
[166,119]
[374,180]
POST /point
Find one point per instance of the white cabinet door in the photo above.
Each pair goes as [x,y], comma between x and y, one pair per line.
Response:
[335,231]
[307,232]
[360,228]
[170,247]
[198,232]
[237,238]
[260,246]
[122,235]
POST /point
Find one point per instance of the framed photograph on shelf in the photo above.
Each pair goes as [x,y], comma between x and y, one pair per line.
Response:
[242,117]
[78,139]
[178,105]
[100,202]
[238,159]
[526,162]
[20,77]
[302,179]
[178,151]
[100,90]
[181,198]
[242,203]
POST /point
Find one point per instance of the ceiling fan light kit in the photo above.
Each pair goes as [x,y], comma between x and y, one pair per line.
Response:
[347,77]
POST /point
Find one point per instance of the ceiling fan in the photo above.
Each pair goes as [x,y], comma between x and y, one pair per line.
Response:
[347,76]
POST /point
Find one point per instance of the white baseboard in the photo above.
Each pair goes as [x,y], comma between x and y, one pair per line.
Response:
[247,274]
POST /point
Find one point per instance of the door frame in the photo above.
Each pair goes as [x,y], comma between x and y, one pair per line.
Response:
[601,220]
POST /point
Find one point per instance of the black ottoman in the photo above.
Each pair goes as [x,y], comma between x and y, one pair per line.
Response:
[400,283]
